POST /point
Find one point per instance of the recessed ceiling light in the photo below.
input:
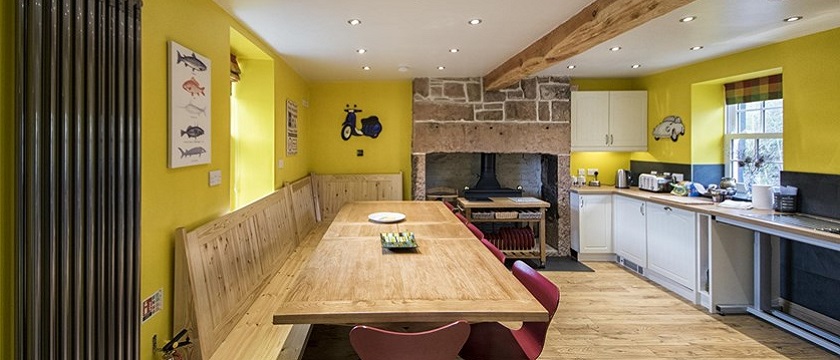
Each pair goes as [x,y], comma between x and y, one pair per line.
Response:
[441,67]
[615,48]
[361,51]
[695,48]
[474,21]
[688,18]
[571,67]
[365,67]
[402,68]
[354,21]
[793,18]
[635,66]
[454,50]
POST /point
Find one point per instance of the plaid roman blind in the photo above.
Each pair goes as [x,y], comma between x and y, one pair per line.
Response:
[758,89]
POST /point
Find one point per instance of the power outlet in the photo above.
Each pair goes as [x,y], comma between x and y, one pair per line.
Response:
[151,305]
[591,172]
[581,172]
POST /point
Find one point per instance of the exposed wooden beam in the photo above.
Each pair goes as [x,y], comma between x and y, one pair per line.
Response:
[598,22]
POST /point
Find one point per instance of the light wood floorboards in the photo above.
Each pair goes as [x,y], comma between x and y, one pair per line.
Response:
[614,314]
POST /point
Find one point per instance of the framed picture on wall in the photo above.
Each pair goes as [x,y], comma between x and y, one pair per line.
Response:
[189,107]
[291,128]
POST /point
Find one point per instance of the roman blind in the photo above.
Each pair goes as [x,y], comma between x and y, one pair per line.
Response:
[758,89]
[78,179]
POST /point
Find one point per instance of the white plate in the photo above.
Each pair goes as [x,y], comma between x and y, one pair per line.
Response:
[386,217]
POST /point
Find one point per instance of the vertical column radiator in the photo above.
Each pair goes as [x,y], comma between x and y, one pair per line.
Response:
[78,169]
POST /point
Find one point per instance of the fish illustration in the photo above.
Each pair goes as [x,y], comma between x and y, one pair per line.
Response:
[195,110]
[193,87]
[191,61]
[198,150]
[192,132]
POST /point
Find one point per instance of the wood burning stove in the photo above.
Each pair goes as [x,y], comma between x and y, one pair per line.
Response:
[488,186]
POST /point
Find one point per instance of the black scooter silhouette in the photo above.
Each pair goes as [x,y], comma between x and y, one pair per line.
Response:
[370,125]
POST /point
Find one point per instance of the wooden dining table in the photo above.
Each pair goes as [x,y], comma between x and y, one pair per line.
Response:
[449,276]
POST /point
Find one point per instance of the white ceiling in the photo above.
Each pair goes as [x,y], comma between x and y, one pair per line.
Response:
[313,36]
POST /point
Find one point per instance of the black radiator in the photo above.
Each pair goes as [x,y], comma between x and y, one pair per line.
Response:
[78,168]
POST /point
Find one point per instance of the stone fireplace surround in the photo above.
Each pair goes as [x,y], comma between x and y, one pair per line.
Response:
[456,116]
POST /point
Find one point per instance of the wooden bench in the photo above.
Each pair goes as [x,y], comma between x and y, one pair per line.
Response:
[231,272]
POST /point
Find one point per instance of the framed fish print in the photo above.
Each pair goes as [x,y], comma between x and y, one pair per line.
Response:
[189,107]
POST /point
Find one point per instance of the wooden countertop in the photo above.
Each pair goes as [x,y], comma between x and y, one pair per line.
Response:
[351,279]
[706,206]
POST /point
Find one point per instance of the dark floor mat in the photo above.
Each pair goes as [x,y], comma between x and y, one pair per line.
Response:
[560,263]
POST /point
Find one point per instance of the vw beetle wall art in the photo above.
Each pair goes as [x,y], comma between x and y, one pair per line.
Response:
[370,125]
[671,126]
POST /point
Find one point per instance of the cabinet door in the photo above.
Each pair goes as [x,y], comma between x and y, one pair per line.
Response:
[671,243]
[628,120]
[590,120]
[629,232]
[595,224]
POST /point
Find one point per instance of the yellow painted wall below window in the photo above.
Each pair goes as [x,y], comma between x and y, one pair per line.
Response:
[810,71]
[389,153]
[7,180]
[252,132]
[172,198]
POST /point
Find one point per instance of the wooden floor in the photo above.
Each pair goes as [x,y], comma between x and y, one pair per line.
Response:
[614,314]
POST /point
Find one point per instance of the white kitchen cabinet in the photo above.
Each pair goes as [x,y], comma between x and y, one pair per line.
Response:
[629,230]
[591,217]
[609,120]
[672,248]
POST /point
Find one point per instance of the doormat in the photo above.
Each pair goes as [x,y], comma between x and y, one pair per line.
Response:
[557,263]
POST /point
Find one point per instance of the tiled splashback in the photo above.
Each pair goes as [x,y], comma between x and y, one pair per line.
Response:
[819,194]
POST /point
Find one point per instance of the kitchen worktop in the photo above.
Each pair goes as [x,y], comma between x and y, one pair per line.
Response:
[706,206]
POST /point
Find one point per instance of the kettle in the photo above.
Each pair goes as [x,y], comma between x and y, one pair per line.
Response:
[622,179]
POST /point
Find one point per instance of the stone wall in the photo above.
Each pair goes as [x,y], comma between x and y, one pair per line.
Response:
[456,115]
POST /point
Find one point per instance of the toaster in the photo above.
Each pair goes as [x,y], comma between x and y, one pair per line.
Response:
[650,182]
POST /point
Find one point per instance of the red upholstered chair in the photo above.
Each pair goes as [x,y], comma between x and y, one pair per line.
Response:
[491,341]
[449,206]
[462,218]
[442,343]
[478,234]
[493,249]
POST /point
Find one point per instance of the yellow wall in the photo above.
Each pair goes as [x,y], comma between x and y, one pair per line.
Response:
[389,153]
[607,163]
[181,197]
[809,66]
[252,131]
[288,85]
[7,165]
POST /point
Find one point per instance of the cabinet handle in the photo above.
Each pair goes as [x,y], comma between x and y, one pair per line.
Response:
[606,139]
[612,140]
[642,209]
[668,208]
[581,203]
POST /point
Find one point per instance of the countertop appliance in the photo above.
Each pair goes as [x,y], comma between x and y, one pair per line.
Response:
[622,179]
[654,183]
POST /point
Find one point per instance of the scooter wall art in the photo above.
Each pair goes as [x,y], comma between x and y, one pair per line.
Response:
[370,125]
[189,107]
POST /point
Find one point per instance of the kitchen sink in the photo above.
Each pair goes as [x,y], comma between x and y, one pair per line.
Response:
[801,220]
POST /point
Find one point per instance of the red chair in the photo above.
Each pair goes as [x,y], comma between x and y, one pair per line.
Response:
[491,341]
[442,343]
[493,249]
[449,206]
[478,234]
[462,218]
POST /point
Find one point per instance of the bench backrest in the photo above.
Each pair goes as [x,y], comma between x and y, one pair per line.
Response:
[335,190]
[222,266]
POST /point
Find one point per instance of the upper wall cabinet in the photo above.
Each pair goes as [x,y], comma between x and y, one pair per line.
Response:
[609,121]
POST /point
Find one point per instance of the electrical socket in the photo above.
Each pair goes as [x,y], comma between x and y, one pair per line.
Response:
[591,172]
[581,171]
[215,177]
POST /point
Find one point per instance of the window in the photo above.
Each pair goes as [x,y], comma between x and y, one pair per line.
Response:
[753,141]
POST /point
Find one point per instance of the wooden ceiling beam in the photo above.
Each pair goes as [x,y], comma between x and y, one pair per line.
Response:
[598,22]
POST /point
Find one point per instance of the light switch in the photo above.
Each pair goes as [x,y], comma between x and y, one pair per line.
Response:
[280,163]
[215,177]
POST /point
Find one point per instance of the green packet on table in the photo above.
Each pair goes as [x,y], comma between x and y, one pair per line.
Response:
[398,240]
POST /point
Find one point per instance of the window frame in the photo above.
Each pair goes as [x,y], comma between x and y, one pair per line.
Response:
[732,112]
